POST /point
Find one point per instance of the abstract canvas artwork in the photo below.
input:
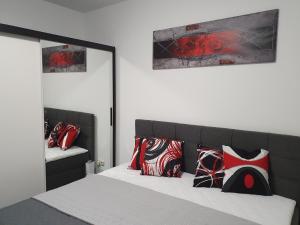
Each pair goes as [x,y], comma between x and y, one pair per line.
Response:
[64,58]
[238,40]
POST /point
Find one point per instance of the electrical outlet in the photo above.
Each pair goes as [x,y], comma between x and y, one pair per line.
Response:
[100,163]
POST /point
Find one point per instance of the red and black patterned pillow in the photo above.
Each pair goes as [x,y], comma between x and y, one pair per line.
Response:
[55,133]
[68,136]
[209,171]
[163,157]
[246,172]
[137,157]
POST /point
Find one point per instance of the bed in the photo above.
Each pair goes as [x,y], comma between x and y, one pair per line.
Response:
[64,167]
[122,196]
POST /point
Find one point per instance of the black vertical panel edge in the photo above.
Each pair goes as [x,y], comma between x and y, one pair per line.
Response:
[114,106]
[4,28]
[111,116]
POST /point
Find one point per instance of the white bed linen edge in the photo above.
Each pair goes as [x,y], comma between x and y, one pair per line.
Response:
[265,210]
[52,154]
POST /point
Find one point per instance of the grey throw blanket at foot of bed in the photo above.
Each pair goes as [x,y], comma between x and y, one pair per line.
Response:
[106,201]
[34,212]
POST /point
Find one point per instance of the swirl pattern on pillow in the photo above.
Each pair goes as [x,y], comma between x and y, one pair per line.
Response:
[162,157]
[55,133]
[68,136]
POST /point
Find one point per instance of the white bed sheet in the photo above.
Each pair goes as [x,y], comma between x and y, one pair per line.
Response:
[266,210]
[52,154]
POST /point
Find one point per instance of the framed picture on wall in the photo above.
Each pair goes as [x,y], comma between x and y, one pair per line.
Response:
[238,40]
[64,58]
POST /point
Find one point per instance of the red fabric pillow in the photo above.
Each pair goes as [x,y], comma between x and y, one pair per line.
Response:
[68,136]
[137,158]
[162,157]
[55,134]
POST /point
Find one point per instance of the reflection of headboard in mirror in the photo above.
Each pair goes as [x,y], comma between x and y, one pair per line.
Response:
[86,121]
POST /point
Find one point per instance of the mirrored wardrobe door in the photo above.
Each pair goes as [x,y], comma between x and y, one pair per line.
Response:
[79,80]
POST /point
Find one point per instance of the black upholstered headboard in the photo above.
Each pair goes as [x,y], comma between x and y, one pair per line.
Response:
[284,149]
[86,121]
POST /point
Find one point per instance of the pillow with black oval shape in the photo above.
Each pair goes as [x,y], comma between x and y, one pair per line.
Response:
[246,172]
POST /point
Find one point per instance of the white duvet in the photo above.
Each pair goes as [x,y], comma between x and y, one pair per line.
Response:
[266,210]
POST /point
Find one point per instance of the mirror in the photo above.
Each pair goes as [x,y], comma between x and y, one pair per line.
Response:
[77,85]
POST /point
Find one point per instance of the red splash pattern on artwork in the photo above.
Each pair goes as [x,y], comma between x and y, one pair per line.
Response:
[206,44]
[61,59]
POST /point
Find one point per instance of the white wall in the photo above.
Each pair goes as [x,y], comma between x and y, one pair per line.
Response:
[260,97]
[22,167]
[42,16]
[89,92]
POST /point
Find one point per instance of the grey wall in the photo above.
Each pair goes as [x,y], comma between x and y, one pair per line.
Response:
[43,16]
[260,97]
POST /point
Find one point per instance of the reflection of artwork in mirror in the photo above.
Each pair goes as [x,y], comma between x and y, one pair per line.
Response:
[64,58]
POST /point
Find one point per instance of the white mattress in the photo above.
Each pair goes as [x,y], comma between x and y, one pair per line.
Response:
[266,210]
[52,154]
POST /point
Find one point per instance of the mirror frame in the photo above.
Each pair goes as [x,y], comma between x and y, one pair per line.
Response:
[5,28]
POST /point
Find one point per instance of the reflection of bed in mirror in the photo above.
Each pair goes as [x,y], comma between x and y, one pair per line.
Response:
[81,85]
[63,167]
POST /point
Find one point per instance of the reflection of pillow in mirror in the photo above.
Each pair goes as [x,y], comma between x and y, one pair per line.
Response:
[46,129]
[55,133]
[68,136]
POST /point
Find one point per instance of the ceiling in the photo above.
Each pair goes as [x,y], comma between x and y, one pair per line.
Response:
[84,5]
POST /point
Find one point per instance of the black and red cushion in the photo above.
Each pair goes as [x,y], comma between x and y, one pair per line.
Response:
[209,171]
[68,136]
[246,172]
[55,133]
[162,157]
[137,157]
